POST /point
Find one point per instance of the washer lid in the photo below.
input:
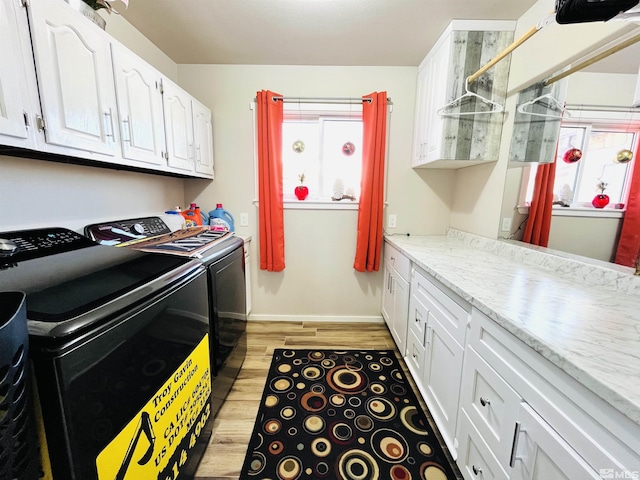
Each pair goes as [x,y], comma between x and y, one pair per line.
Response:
[74,282]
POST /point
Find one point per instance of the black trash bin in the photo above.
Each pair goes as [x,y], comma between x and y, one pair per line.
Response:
[18,443]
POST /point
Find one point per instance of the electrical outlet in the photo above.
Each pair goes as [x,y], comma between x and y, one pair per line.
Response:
[506,224]
[392,221]
[244,219]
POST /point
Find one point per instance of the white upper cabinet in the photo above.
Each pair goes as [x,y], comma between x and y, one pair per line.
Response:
[203,138]
[18,97]
[140,118]
[452,129]
[188,132]
[76,84]
[68,88]
[178,121]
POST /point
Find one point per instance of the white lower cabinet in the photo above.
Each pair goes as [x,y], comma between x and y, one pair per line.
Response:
[438,322]
[539,453]
[532,420]
[504,411]
[395,297]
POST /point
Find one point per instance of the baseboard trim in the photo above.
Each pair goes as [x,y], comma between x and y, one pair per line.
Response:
[315,318]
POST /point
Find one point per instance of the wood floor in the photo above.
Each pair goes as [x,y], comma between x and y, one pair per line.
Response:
[234,423]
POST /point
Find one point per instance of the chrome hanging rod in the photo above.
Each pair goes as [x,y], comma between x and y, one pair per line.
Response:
[337,100]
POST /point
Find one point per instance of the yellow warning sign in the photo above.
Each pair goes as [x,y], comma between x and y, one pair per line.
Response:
[157,442]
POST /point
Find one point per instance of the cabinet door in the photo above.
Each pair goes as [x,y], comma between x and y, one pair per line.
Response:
[139,96]
[400,290]
[77,90]
[387,295]
[18,94]
[178,124]
[441,378]
[539,453]
[203,138]
[438,77]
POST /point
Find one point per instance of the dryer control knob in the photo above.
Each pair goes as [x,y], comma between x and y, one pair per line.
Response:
[7,247]
[138,228]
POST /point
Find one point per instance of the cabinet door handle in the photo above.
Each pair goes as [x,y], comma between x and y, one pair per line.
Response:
[109,123]
[484,401]
[476,470]
[427,340]
[514,445]
[126,127]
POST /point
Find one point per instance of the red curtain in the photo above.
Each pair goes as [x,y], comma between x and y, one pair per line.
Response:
[374,139]
[538,225]
[629,242]
[270,206]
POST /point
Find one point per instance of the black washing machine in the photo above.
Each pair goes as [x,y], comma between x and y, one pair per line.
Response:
[119,342]
[222,254]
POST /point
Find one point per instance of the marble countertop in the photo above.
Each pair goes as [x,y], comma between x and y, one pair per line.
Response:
[580,315]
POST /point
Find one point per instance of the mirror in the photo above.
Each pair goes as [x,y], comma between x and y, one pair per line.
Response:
[611,81]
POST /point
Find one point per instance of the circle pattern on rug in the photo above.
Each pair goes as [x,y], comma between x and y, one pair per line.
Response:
[349,415]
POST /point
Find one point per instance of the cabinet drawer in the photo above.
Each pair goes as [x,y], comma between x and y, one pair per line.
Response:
[474,457]
[398,261]
[418,317]
[491,404]
[451,311]
[600,434]
[415,355]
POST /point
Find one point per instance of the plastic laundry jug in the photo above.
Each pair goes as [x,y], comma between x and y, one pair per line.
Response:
[192,216]
[220,216]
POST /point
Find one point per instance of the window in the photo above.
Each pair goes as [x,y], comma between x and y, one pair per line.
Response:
[323,143]
[577,183]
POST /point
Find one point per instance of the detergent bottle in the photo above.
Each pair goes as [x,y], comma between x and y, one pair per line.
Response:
[220,217]
[192,216]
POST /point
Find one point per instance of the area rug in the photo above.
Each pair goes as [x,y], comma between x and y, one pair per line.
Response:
[352,414]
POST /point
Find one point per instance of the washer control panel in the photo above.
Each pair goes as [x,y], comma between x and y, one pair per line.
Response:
[27,244]
[114,233]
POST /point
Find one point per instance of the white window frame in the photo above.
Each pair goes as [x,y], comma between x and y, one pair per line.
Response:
[317,204]
[591,120]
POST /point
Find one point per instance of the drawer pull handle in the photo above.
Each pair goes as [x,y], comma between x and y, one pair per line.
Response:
[476,470]
[484,401]
[514,446]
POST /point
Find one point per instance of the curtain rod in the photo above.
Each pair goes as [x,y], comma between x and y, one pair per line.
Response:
[338,100]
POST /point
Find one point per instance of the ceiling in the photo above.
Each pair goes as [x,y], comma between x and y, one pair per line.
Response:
[316,32]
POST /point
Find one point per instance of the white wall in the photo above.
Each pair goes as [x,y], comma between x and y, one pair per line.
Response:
[36,193]
[319,280]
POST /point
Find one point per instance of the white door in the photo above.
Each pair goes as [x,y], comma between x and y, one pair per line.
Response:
[18,97]
[442,376]
[203,138]
[539,453]
[178,121]
[139,95]
[77,90]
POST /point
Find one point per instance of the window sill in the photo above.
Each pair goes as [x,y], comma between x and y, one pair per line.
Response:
[581,212]
[317,205]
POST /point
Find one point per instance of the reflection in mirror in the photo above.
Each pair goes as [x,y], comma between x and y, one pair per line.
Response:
[601,123]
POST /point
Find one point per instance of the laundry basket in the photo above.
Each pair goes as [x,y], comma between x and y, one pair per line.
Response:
[18,448]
